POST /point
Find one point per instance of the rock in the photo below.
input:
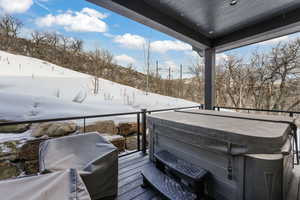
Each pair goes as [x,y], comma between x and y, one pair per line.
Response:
[126,129]
[30,150]
[19,128]
[9,150]
[104,127]
[54,129]
[8,170]
[18,158]
[31,167]
[131,143]
[117,140]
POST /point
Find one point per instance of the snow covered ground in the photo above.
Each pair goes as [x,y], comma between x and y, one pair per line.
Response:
[34,89]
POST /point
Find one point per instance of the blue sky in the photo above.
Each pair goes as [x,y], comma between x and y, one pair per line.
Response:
[101,28]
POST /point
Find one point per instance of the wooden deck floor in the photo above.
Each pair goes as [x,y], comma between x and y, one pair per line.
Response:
[130,178]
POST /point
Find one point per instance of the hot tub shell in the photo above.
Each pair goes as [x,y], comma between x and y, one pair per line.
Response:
[247,156]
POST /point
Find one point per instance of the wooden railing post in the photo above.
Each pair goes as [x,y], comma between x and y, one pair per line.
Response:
[144,137]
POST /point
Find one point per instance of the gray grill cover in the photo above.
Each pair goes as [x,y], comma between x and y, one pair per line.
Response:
[64,185]
[93,156]
[247,134]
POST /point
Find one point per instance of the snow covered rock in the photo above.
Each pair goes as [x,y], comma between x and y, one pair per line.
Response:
[55,129]
[20,128]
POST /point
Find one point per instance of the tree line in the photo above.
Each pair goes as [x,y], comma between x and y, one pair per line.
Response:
[266,80]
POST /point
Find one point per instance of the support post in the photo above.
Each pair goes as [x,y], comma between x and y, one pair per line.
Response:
[138,132]
[181,83]
[83,125]
[157,69]
[209,78]
[144,139]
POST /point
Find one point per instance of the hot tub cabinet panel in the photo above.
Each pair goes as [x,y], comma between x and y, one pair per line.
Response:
[238,168]
[264,177]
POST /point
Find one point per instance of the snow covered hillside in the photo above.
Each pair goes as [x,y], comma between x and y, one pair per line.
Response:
[34,89]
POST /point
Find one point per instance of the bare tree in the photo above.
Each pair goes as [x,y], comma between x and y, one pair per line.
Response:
[9,30]
[235,80]
[284,60]
[147,54]
[101,62]
[76,45]
[10,26]
[197,71]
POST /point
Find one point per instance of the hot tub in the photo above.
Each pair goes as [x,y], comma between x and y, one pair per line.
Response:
[247,156]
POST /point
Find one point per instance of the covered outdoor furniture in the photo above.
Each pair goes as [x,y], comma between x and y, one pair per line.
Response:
[62,185]
[93,156]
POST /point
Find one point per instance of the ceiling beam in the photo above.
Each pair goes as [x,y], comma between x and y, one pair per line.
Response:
[141,12]
[277,26]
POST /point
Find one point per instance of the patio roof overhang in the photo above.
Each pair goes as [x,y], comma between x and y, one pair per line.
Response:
[217,25]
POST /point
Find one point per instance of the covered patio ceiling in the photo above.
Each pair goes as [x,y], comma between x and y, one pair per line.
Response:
[218,24]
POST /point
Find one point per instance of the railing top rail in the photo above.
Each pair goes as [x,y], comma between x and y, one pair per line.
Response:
[169,109]
[261,110]
[90,116]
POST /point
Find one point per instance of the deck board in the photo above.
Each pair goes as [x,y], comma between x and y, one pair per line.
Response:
[130,179]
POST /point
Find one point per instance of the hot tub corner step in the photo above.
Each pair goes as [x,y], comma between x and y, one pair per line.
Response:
[165,185]
[182,167]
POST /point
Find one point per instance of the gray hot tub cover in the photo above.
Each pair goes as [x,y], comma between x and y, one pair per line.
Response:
[93,156]
[63,185]
[227,132]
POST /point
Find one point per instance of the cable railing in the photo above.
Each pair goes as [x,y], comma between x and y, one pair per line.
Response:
[140,120]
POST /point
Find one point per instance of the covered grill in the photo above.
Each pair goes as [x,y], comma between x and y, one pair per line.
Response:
[93,156]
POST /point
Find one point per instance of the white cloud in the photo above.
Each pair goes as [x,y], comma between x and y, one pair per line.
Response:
[275,40]
[124,59]
[93,13]
[169,45]
[15,6]
[130,41]
[86,20]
